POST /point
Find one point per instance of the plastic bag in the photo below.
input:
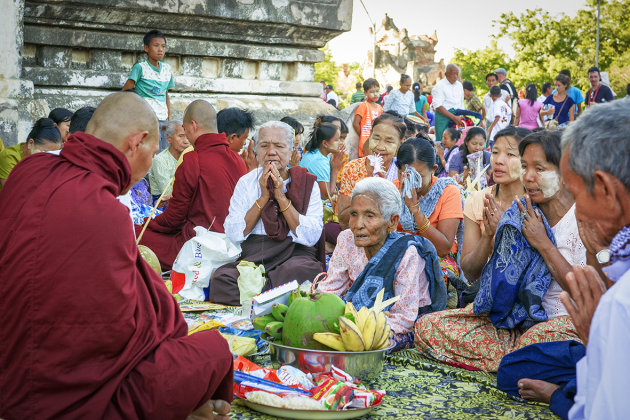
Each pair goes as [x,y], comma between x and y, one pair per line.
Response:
[251,280]
[198,259]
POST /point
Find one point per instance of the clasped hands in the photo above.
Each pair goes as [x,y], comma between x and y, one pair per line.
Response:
[271,172]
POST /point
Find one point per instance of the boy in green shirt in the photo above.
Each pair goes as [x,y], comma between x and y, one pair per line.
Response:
[358,96]
[152,78]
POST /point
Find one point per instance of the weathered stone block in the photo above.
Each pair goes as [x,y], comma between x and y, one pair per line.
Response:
[305,72]
[210,67]
[232,68]
[289,71]
[105,60]
[54,57]
[174,63]
[127,60]
[270,71]
[191,66]
[29,55]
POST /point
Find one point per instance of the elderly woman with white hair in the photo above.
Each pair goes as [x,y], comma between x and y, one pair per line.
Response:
[276,215]
[371,256]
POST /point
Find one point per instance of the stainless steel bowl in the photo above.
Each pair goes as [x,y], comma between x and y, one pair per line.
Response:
[364,365]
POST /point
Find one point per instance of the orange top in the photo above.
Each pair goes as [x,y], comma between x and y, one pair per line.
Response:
[353,172]
[448,206]
[368,114]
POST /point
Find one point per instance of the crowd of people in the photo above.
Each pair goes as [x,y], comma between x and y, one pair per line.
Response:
[507,240]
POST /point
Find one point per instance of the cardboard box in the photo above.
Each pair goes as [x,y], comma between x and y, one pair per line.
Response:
[261,304]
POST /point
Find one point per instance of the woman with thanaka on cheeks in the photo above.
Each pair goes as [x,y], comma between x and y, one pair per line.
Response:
[386,137]
[518,303]
[484,208]
[433,206]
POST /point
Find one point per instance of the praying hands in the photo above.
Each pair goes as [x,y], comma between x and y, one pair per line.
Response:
[585,288]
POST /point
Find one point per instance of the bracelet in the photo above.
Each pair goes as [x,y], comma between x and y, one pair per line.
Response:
[286,208]
[425,226]
[415,205]
[258,205]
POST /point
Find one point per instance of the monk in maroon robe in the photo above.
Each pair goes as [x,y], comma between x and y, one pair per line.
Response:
[204,183]
[88,328]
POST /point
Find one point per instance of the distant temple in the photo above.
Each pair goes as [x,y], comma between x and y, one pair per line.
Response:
[398,53]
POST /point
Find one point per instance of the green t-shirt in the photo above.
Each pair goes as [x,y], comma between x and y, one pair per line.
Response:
[9,157]
[152,84]
[357,96]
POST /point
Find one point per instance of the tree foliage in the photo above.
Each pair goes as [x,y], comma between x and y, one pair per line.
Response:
[545,44]
[326,70]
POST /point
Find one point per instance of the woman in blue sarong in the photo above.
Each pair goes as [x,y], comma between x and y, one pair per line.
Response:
[518,304]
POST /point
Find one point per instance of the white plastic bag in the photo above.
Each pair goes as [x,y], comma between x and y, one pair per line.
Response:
[198,259]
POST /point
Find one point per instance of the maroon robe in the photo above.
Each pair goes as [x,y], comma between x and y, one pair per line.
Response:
[88,328]
[204,183]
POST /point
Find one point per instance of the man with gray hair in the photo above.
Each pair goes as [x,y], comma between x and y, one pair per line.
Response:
[276,215]
[165,162]
[448,95]
[595,170]
[204,183]
[507,85]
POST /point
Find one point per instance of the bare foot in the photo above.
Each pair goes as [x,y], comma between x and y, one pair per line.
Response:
[536,390]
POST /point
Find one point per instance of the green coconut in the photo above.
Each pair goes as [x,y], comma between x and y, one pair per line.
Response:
[150,257]
[309,315]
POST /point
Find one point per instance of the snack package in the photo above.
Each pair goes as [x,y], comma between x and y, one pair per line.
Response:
[335,390]
[332,393]
[292,376]
[202,323]
[241,346]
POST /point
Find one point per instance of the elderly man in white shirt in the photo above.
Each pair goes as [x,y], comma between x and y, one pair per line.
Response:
[600,182]
[448,95]
[276,215]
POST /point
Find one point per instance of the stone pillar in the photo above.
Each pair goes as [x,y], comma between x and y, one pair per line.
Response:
[15,93]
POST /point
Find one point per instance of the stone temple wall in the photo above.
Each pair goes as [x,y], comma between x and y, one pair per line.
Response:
[256,54]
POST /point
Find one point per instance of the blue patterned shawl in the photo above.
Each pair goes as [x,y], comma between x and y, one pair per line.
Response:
[515,278]
[427,205]
[380,271]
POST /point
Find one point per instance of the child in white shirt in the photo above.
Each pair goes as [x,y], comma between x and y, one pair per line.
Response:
[501,114]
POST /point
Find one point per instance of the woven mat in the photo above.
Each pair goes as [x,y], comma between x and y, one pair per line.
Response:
[420,388]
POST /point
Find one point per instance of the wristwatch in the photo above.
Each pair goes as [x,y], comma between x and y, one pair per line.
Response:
[603,256]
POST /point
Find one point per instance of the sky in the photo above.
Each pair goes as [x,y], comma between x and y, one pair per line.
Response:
[463,24]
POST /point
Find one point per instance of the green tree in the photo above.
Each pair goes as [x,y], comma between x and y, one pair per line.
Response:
[545,44]
[476,64]
[326,70]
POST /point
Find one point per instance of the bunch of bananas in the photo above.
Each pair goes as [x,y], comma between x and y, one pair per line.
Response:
[363,330]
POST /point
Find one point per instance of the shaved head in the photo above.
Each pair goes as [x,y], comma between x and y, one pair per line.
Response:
[203,114]
[128,123]
[121,114]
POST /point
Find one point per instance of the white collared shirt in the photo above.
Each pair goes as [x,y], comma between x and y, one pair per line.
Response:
[448,95]
[602,375]
[247,191]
